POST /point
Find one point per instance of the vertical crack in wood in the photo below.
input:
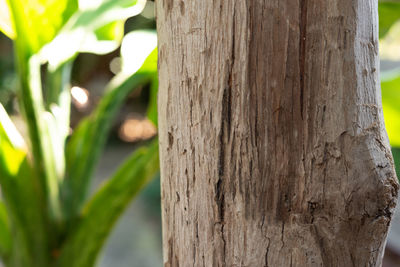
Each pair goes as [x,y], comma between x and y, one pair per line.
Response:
[266,253]
[224,138]
[302,52]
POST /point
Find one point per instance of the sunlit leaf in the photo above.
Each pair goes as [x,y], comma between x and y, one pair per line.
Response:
[38,21]
[10,130]
[12,146]
[86,27]
[55,143]
[6,22]
[391,105]
[105,39]
[138,51]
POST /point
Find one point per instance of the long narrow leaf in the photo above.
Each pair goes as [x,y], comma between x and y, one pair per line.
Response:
[58,103]
[152,113]
[87,142]
[41,126]
[22,196]
[101,212]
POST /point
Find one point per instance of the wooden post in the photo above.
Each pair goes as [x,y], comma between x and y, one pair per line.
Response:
[272,140]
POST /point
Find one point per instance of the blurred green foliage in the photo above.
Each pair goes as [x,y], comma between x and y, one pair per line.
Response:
[389,15]
[46,217]
[390,83]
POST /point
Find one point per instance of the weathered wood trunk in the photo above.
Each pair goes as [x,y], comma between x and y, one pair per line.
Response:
[273,146]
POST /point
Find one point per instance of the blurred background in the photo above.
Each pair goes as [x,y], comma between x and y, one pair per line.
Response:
[390,85]
[136,240]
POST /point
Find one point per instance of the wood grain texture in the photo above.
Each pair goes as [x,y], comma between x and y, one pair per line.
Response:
[272,141]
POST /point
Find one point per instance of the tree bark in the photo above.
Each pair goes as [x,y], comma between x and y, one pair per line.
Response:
[272,141]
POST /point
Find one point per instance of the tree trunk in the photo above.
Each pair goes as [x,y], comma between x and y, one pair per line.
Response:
[272,140]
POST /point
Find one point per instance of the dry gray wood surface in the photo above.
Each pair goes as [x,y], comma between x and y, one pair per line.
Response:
[272,141]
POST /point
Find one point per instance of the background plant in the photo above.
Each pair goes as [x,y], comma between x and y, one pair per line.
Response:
[389,25]
[45,216]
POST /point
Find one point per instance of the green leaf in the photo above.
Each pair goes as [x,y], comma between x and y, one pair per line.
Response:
[88,140]
[9,132]
[5,233]
[105,39]
[139,52]
[38,21]
[92,25]
[22,196]
[389,13]
[152,108]
[396,158]
[390,83]
[26,209]
[101,212]
[42,130]
[6,22]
